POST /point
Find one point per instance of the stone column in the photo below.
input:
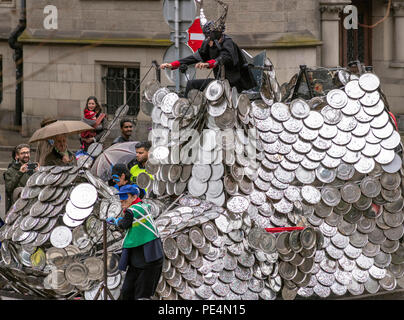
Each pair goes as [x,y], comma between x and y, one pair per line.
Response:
[330,21]
[398,14]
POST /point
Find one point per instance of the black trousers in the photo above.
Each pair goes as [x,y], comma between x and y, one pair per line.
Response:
[199,84]
[141,282]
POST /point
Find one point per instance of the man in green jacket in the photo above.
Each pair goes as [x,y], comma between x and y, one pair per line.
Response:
[142,253]
[19,172]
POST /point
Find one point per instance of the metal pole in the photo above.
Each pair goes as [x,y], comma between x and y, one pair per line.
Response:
[104,236]
[177,43]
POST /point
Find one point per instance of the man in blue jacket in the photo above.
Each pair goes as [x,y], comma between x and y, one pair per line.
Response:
[142,253]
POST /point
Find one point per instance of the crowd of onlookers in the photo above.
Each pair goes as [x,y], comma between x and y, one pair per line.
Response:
[55,151]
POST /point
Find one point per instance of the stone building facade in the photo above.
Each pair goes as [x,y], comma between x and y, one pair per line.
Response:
[97,38]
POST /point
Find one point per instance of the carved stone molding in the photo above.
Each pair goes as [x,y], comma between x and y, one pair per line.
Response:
[398,8]
[331,9]
[331,6]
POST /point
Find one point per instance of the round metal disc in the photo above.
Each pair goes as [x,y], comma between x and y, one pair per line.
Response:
[61,237]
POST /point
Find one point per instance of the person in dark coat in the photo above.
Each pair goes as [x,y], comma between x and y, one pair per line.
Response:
[44,146]
[217,49]
[126,131]
[60,155]
[142,254]
[18,173]
[122,177]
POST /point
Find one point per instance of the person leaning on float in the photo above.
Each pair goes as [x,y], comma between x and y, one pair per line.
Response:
[217,49]
[142,253]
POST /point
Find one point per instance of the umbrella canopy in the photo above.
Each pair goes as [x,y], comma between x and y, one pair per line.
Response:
[59,127]
[117,153]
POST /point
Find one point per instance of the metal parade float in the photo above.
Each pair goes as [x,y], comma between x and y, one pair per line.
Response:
[283,192]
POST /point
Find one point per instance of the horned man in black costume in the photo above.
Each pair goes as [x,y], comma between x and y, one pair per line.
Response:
[217,50]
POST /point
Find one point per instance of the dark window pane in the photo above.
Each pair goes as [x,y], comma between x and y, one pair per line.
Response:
[115,88]
[132,90]
[361,41]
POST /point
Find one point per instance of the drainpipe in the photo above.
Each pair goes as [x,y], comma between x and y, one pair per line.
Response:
[18,58]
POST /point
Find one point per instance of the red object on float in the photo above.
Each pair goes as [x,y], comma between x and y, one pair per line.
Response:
[196,36]
[394,119]
[275,230]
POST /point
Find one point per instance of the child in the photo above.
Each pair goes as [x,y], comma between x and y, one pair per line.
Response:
[92,108]
[94,117]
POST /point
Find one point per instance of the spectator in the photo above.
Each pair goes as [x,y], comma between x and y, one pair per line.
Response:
[60,155]
[126,131]
[137,165]
[121,177]
[86,139]
[14,157]
[44,146]
[19,172]
[94,117]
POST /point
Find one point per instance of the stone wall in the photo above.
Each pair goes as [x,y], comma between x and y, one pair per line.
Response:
[8,21]
[247,21]
[59,79]
[386,63]
[60,76]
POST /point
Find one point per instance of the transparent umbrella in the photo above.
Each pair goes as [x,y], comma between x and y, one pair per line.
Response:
[118,153]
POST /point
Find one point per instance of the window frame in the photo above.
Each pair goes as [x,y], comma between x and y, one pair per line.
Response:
[125,92]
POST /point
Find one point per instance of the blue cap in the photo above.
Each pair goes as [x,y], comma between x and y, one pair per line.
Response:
[128,189]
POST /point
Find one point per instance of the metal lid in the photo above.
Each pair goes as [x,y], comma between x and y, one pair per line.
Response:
[337,98]
[299,108]
[369,81]
[353,90]
[242,103]
[325,175]
[61,237]
[345,171]
[226,120]
[375,110]
[56,256]
[346,228]
[196,187]
[282,243]
[352,107]
[350,192]
[217,110]
[390,181]
[83,195]
[76,273]
[328,131]
[287,270]
[77,213]
[331,116]
[394,165]
[377,236]
[305,176]
[237,204]
[280,111]
[168,102]
[331,196]
[214,90]
[370,98]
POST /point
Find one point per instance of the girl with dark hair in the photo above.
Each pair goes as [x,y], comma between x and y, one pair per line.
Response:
[94,117]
